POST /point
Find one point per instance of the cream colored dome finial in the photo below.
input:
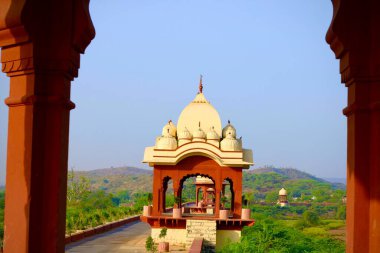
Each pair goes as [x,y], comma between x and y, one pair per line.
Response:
[200,85]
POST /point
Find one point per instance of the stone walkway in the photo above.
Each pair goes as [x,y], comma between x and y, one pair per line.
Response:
[128,238]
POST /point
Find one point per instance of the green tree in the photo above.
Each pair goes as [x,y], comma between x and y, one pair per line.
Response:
[77,188]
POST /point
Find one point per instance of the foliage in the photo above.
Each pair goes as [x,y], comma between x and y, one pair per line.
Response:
[177,201]
[77,187]
[341,212]
[163,233]
[268,235]
[311,218]
[223,200]
[150,246]
[86,208]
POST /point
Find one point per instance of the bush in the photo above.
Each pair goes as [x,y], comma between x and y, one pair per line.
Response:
[270,236]
[150,246]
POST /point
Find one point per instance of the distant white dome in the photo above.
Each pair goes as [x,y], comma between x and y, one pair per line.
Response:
[229,130]
[184,134]
[169,128]
[212,134]
[200,110]
[282,192]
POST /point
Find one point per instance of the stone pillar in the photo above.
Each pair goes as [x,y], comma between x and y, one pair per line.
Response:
[164,190]
[237,198]
[177,190]
[355,38]
[157,193]
[41,44]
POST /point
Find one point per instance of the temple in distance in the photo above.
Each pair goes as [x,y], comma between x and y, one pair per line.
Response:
[198,147]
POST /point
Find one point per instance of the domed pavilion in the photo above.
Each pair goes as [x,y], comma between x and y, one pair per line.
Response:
[198,147]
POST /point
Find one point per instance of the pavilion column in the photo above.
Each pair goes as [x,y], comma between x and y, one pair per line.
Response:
[217,201]
[354,37]
[164,190]
[41,44]
[157,195]
[237,197]
[177,191]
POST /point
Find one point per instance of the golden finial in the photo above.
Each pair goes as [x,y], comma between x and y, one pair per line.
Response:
[200,85]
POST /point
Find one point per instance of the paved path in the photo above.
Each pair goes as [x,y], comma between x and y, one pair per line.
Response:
[128,238]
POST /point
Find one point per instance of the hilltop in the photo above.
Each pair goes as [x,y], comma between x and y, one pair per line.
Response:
[288,172]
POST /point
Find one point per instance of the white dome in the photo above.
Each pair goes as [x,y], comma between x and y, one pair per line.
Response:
[199,134]
[200,110]
[282,192]
[166,142]
[229,130]
[169,128]
[230,144]
[184,134]
[212,134]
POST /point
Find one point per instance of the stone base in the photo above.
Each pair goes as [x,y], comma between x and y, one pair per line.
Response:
[213,239]
[173,236]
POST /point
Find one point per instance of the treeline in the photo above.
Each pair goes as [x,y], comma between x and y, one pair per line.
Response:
[265,186]
[88,208]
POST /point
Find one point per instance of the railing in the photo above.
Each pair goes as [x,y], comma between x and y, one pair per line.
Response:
[99,229]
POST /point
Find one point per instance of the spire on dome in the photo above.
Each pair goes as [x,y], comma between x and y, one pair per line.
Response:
[200,85]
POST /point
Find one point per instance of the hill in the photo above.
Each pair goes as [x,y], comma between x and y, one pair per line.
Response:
[113,180]
[294,174]
[264,183]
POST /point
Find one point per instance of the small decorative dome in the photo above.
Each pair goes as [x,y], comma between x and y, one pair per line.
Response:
[171,127]
[282,192]
[199,133]
[167,141]
[229,130]
[184,134]
[230,144]
[212,134]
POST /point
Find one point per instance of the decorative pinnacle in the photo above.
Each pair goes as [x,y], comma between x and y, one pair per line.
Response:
[229,122]
[200,85]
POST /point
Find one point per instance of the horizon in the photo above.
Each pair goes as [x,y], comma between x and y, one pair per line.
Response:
[143,67]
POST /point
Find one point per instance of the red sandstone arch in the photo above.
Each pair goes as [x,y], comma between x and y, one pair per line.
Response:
[27,27]
[197,165]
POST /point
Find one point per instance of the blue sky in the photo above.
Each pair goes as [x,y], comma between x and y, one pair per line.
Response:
[266,67]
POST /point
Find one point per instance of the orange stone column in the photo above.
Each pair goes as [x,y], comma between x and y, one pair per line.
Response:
[41,44]
[237,197]
[354,36]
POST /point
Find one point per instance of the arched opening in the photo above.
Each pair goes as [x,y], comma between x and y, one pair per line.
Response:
[198,194]
[227,196]
[167,194]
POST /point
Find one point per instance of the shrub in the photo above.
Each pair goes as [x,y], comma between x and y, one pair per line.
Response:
[150,246]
